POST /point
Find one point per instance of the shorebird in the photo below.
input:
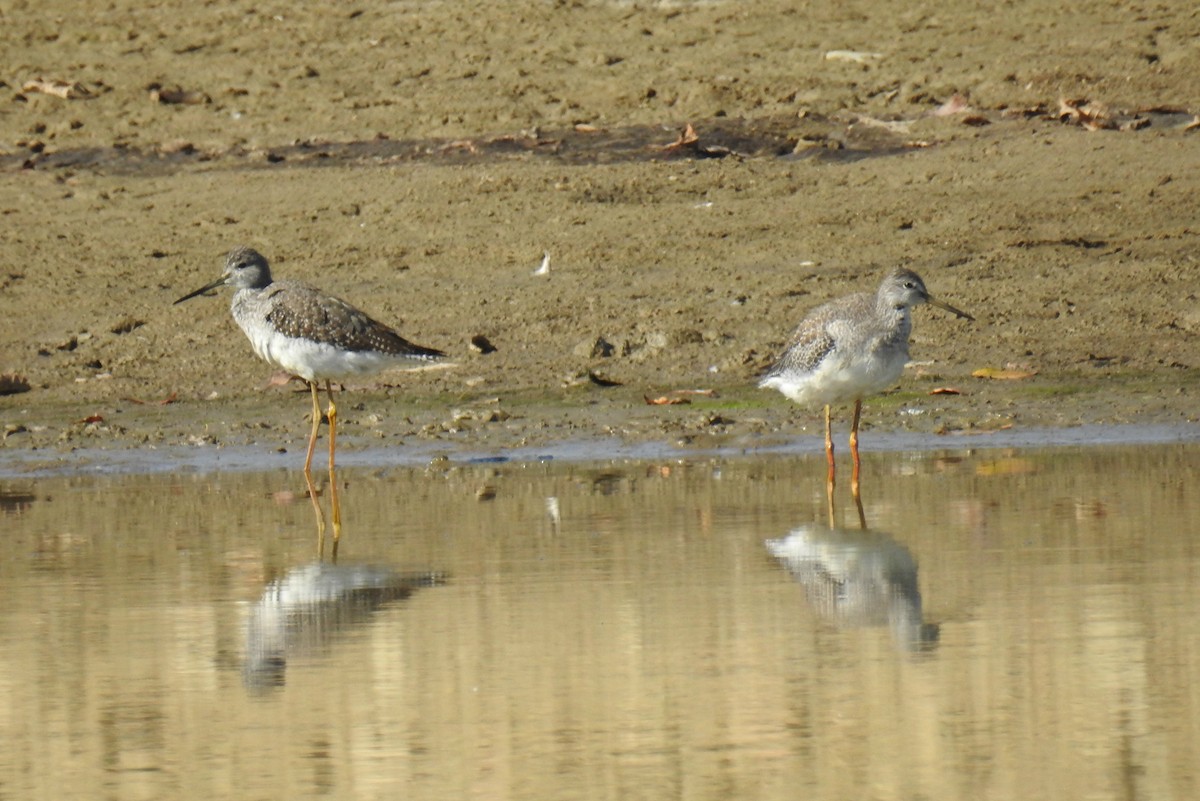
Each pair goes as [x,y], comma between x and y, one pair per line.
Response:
[850,348]
[313,335]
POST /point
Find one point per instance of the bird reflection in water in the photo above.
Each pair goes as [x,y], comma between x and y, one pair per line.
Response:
[858,578]
[306,610]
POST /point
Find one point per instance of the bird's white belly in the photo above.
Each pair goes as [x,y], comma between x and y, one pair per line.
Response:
[314,361]
[838,379]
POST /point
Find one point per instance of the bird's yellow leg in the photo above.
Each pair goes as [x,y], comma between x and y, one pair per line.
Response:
[829,446]
[854,448]
[316,426]
[312,444]
[336,511]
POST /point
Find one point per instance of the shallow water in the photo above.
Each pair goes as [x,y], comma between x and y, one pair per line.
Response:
[1012,623]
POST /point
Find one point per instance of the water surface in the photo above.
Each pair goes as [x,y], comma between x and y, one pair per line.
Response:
[1011,623]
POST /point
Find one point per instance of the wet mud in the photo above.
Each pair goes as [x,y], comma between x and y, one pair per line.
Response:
[698,176]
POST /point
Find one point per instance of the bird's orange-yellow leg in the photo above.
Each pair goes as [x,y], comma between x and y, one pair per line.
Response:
[854,447]
[312,444]
[829,446]
[331,415]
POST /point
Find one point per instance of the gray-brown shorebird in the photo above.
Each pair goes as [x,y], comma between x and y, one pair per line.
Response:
[313,335]
[850,348]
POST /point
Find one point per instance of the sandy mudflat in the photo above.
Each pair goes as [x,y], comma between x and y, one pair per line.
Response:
[1038,167]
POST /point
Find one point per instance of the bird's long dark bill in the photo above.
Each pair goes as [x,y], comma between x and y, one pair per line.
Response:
[932,301]
[201,290]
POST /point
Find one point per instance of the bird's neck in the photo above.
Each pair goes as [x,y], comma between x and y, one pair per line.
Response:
[898,319]
[245,295]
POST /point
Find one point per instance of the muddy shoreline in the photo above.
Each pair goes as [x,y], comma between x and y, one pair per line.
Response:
[360,453]
[419,162]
